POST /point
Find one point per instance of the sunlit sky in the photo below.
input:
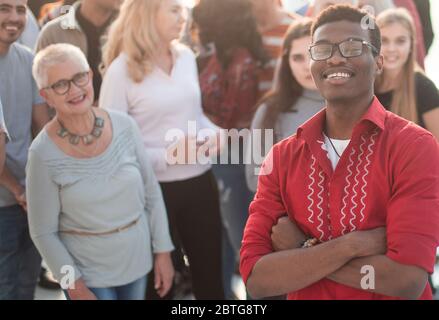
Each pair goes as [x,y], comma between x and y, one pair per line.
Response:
[189,3]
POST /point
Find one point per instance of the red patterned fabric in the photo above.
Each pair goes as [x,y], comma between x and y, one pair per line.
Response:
[230,96]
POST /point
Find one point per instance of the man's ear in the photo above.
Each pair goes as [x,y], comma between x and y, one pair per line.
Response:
[379,64]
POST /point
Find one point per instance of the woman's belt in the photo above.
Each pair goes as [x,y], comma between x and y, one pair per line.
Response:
[85,233]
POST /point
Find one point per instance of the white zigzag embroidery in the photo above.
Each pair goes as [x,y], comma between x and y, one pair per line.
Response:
[354,203]
[310,187]
[346,191]
[366,174]
[319,206]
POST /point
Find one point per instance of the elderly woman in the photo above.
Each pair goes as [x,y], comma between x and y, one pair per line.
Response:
[95,207]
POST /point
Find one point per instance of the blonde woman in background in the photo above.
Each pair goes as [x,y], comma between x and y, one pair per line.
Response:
[403,88]
[154,79]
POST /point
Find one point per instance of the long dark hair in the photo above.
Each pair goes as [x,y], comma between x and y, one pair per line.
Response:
[286,89]
[229,24]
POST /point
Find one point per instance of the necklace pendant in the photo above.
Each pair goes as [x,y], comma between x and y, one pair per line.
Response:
[99,122]
[87,140]
[62,132]
[73,139]
[97,132]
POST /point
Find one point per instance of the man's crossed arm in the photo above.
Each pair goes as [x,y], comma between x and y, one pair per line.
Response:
[292,268]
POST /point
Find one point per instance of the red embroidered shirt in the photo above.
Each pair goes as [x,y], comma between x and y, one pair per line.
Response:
[387,176]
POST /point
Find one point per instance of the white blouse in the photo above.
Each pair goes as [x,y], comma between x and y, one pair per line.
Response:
[162,105]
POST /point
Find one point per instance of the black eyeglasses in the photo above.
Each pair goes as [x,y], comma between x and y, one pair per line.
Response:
[61,87]
[350,48]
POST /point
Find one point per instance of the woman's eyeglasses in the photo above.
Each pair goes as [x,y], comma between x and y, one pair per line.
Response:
[61,87]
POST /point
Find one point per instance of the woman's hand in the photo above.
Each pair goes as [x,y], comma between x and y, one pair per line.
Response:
[163,273]
[80,291]
[20,197]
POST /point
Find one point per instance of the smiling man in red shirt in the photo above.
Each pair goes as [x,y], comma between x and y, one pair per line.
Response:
[359,180]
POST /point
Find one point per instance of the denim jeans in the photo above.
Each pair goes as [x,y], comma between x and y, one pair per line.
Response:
[20,262]
[131,291]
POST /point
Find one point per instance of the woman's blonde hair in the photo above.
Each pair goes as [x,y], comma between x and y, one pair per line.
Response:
[404,95]
[133,33]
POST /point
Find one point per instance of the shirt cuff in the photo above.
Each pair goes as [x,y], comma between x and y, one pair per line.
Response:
[164,246]
[415,250]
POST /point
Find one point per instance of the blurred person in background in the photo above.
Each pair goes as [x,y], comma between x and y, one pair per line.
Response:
[30,34]
[403,87]
[53,10]
[25,114]
[293,100]
[420,46]
[229,88]
[423,7]
[154,79]
[229,82]
[36,5]
[273,21]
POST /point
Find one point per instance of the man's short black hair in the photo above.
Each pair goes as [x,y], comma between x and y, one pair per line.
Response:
[344,12]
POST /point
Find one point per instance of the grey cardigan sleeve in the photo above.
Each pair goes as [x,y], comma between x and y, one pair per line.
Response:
[44,208]
[154,204]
